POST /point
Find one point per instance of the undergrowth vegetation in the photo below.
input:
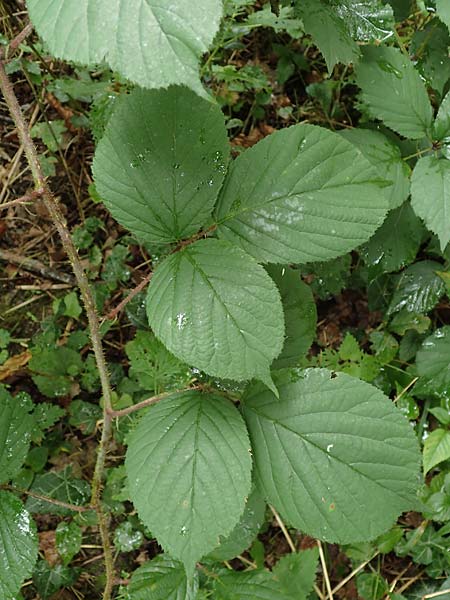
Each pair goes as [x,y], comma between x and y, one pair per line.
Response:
[225,319]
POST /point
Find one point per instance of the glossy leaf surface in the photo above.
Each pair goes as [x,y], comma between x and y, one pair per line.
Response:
[161,163]
[302,194]
[154,43]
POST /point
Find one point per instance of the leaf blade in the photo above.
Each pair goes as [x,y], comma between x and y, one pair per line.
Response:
[189,469]
[332,471]
[215,308]
[326,202]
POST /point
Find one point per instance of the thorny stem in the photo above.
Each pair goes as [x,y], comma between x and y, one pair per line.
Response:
[54,501]
[148,402]
[23,199]
[115,311]
[86,293]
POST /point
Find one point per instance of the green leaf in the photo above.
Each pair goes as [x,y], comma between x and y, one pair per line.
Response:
[394,91]
[386,158]
[161,163]
[16,425]
[60,485]
[418,288]
[254,585]
[371,586]
[297,573]
[301,194]
[433,357]
[396,243]
[442,122]
[126,538]
[329,32]
[333,454]
[49,579]
[53,369]
[18,545]
[189,471]
[162,579]
[68,540]
[153,367]
[430,195]
[443,11]
[84,416]
[429,47]
[300,315]
[436,448]
[152,43]
[216,309]
[245,531]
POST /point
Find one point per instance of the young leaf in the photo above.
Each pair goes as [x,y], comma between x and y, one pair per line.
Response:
[331,451]
[297,573]
[329,32]
[394,91]
[18,545]
[161,163]
[433,357]
[254,585]
[430,195]
[216,309]
[162,579]
[302,194]
[300,314]
[16,425]
[245,531]
[68,540]
[189,471]
[436,449]
[152,43]
[386,158]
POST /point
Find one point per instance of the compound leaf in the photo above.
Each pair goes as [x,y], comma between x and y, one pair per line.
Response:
[302,194]
[161,163]
[386,158]
[162,578]
[394,91]
[189,471]
[18,545]
[16,425]
[430,195]
[330,451]
[154,43]
[215,308]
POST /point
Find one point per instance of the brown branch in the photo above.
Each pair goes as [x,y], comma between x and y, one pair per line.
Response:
[35,266]
[86,293]
[115,311]
[148,402]
[54,501]
[20,38]
[22,200]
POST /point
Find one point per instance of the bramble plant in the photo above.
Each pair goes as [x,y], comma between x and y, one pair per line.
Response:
[239,417]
